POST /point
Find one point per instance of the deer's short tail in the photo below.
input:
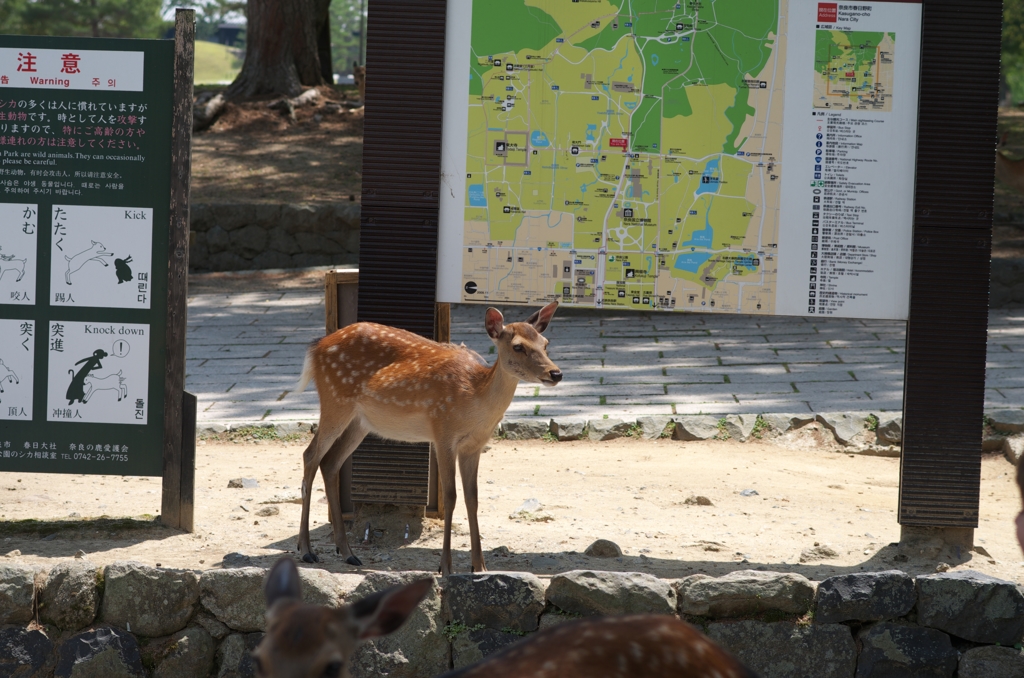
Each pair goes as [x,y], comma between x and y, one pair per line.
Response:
[307,370]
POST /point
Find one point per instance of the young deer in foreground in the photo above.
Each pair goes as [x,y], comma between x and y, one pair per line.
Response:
[394,383]
[311,641]
[1010,172]
[307,641]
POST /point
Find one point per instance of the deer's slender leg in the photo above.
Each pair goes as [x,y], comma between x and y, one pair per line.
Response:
[446,472]
[315,451]
[330,469]
[468,465]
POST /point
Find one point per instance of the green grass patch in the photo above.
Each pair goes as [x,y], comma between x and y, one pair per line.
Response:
[872,422]
[761,427]
[453,629]
[216,63]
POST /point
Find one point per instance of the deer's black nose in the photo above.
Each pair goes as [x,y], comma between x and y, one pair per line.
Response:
[556,376]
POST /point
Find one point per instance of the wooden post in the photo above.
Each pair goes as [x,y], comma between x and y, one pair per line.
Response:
[189,410]
[442,333]
[171,511]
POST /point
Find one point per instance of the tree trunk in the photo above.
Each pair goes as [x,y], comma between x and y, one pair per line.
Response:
[280,48]
[323,40]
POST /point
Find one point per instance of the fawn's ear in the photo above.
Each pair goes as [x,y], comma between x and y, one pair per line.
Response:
[494,321]
[541,318]
[282,582]
[385,612]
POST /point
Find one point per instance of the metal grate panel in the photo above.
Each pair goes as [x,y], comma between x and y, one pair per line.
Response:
[946,333]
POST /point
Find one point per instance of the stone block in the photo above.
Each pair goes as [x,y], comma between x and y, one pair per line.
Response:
[845,426]
[740,426]
[498,600]
[102,652]
[587,592]
[190,652]
[1013,448]
[865,596]
[788,650]
[784,423]
[991,661]
[70,598]
[747,592]
[889,650]
[271,259]
[234,656]
[525,429]
[235,597]
[890,428]
[567,428]
[17,587]
[603,548]
[607,429]
[311,243]
[653,427]
[228,261]
[217,240]
[280,240]
[697,427]
[418,649]
[22,652]
[972,606]
[471,646]
[248,241]
[1007,421]
[146,600]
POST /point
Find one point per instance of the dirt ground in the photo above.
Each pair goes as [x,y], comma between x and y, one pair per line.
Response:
[630,491]
[253,154]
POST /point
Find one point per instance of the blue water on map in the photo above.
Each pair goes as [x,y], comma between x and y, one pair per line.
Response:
[746,262]
[590,132]
[706,235]
[691,261]
[654,59]
[539,140]
[630,104]
[711,171]
[477,198]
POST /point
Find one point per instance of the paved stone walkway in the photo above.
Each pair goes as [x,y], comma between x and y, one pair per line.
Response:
[245,354]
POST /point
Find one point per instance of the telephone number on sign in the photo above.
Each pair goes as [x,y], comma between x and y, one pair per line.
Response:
[85,456]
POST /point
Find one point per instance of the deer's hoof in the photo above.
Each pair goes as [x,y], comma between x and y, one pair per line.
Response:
[310,558]
[352,560]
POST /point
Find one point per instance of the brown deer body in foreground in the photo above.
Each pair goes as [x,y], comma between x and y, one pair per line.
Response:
[1010,172]
[311,641]
[394,383]
[307,641]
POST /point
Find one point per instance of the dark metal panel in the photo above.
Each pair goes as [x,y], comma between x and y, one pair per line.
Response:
[944,391]
[398,228]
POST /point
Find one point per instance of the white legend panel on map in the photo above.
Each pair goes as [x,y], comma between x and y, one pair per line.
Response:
[850,145]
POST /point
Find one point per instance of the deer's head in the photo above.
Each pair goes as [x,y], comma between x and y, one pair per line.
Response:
[522,349]
[312,641]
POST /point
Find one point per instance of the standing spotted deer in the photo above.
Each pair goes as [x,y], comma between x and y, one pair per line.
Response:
[309,641]
[373,378]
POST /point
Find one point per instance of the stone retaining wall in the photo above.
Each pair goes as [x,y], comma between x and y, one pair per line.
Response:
[1007,283]
[129,619]
[241,237]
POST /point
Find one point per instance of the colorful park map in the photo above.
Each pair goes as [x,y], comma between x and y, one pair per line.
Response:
[854,70]
[625,153]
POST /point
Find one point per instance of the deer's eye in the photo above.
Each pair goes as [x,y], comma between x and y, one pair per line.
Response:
[518,347]
[332,670]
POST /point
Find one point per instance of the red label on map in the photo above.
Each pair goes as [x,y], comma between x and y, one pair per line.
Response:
[828,12]
[617,143]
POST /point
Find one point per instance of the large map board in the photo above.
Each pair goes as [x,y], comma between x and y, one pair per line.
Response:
[701,155]
[85,174]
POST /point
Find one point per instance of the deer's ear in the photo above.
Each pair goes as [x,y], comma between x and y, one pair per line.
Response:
[385,612]
[282,582]
[541,318]
[494,321]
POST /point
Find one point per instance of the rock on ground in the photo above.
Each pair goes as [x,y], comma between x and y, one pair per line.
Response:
[472,646]
[607,429]
[187,653]
[587,593]
[845,426]
[418,649]
[991,661]
[787,650]
[603,548]
[17,587]
[568,429]
[148,601]
[697,427]
[747,592]
[103,652]
[740,426]
[816,553]
[784,423]
[525,429]
[506,600]
[890,429]
[972,606]
[23,652]
[865,596]
[1013,448]
[653,427]
[1007,421]
[235,597]
[889,649]
[234,656]
[70,598]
